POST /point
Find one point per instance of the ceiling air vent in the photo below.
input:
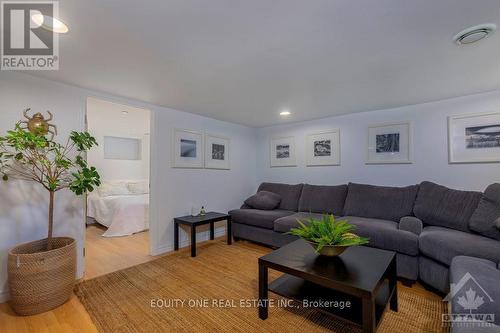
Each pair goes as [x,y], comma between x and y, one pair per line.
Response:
[474,34]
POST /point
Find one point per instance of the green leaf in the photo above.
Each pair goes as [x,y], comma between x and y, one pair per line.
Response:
[83,140]
[328,231]
[30,153]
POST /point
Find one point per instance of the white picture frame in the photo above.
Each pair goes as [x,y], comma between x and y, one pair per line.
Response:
[390,143]
[187,149]
[217,152]
[323,148]
[282,152]
[473,138]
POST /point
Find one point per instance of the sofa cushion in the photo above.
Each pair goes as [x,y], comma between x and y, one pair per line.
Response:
[258,217]
[484,218]
[441,206]
[385,234]
[412,224]
[380,202]
[443,244]
[289,194]
[284,224]
[486,274]
[323,199]
[264,200]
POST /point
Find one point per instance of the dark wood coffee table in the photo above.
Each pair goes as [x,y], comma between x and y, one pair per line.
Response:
[194,221]
[366,277]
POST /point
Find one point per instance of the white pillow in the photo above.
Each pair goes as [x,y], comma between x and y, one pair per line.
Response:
[108,189]
[138,187]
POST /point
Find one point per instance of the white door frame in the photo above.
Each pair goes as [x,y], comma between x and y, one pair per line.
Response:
[153,220]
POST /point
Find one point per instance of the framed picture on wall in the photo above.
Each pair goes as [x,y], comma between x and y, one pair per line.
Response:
[323,148]
[188,149]
[283,152]
[474,138]
[390,143]
[216,152]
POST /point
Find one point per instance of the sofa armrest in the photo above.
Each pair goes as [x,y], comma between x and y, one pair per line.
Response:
[411,224]
[245,206]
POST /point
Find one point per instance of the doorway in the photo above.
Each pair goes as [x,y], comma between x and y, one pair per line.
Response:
[117,218]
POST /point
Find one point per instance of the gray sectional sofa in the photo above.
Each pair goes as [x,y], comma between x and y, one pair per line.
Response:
[427,225]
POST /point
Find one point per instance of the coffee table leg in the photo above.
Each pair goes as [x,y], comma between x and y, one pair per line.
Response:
[193,241]
[369,325]
[393,285]
[263,293]
[229,231]
[212,231]
[176,236]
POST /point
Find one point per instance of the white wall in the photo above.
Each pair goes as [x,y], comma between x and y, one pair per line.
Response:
[105,118]
[179,189]
[23,207]
[430,148]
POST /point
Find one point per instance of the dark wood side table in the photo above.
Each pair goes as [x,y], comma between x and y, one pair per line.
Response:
[194,221]
[366,277]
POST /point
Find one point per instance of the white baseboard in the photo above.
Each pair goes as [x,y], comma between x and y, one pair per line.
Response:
[200,237]
[4,296]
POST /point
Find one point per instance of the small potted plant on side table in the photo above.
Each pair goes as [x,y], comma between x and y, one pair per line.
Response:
[329,237]
[42,273]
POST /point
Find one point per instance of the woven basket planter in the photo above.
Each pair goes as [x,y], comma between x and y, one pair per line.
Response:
[41,280]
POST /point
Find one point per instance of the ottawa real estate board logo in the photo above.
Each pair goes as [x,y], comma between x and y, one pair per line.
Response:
[26,44]
[472,303]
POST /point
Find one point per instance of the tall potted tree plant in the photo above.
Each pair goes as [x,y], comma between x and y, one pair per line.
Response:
[42,273]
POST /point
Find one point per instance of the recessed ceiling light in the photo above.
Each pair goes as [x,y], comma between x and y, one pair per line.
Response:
[474,34]
[50,23]
[285,113]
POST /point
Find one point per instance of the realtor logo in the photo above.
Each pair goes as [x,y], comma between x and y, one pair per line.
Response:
[27,45]
[468,295]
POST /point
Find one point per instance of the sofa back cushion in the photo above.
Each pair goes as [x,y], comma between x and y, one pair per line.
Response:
[380,202]
[289,194]
[323,199]
[485,217]
[264,200]
[441,206]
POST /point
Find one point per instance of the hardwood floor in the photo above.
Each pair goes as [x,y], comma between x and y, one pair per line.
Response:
[68,318]
[102,257]
[105,255]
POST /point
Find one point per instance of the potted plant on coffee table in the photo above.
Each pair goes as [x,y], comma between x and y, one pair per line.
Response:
[328,236]
[42,273]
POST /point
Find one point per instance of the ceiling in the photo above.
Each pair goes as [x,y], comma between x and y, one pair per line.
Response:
[245,61]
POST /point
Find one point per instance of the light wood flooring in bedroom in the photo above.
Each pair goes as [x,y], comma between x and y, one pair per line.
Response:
[103,256]
[109,254]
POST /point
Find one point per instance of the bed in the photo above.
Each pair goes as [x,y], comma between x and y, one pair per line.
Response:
[122,207]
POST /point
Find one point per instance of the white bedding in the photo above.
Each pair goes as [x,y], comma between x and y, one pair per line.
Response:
[123,214]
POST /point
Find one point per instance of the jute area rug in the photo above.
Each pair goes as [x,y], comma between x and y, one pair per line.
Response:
[216,291]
